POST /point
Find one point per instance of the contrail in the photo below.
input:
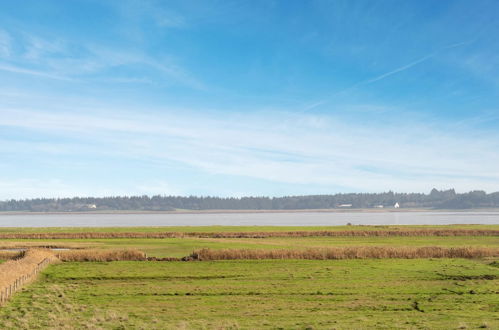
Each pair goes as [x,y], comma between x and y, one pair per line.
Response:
[14,69]
[402,68]
[410,65]
[385,75]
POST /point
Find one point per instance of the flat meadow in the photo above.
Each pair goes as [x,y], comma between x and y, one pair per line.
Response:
[182,246]
[427,293]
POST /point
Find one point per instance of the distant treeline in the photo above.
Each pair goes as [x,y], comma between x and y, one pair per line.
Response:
[447,199]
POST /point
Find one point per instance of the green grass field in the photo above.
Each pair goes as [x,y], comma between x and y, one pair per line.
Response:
[179,247]
[254,294]
[288,294]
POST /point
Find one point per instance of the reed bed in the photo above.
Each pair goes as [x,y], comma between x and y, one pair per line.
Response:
[353,233]
[101,255]
[358,252]
[318,233]
[16,273]
[43,245]
[8,255]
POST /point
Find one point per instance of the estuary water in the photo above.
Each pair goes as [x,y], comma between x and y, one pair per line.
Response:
[248,219]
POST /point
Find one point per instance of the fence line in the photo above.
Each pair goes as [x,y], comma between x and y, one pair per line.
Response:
[27,273]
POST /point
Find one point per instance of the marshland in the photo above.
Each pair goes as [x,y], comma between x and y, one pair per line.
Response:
[233,277]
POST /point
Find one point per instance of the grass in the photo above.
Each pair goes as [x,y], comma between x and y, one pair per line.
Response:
[249,294]
[179,247]
[204,229]
[8,255]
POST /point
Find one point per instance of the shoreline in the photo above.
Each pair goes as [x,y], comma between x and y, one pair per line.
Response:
[252,211]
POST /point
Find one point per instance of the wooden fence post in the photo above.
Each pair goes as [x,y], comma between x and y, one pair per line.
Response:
[8,291]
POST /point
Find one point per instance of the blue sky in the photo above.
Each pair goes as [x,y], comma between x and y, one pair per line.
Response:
[236,98]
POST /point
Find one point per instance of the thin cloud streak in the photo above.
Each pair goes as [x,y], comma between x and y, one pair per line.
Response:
[391,73]
[292,154]
[383,76]
[20,70]
[412,64]
[37,188]
[5,44]
[84,62]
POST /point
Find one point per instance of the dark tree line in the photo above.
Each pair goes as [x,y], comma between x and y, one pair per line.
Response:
[447,199]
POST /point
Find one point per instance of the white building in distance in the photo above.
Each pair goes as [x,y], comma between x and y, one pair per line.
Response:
[345,205]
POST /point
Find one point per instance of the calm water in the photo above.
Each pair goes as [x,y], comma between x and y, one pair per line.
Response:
[248,219]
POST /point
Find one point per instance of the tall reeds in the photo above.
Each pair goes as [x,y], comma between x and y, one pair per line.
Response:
[8,255]
[101,255]
[318,233]
[357,252]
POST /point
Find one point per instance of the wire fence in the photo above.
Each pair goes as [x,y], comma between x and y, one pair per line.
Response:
[8,290]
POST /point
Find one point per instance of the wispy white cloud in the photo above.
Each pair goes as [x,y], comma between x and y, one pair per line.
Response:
[24,71]
[36,48]
[484,65]
[164,18]
[56,188]
[106,57]
[409,157]
[31,188]
[5,44]
[137,12]
[71,60]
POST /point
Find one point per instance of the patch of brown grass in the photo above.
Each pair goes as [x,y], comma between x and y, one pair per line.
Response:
[318,233]
[353,233]
[8,255]
[16,273]
[356,252]
[101,255]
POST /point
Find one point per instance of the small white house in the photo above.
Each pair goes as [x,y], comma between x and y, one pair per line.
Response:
[397,205]
[345,205]
[91,206]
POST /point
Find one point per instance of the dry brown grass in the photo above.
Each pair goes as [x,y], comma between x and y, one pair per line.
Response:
[357,252]
[101,255]
[319,233]
[43,245]
[8,255]
[354,233]
[22,270]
